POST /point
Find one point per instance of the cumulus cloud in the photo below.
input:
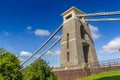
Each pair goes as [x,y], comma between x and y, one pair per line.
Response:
[57,36]
[113,46]
[57,52]
[6,33]
[94,31]
[54,53]
[21,59]
[29,28]
[40,32]
[48,52]
[25,53]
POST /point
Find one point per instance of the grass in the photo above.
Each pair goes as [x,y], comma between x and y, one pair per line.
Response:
[112,75]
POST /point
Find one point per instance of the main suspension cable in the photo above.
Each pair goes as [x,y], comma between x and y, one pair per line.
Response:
[45,51]
[36,51]
[99,14]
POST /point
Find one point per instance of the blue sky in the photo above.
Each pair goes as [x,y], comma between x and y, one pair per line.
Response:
[22,20]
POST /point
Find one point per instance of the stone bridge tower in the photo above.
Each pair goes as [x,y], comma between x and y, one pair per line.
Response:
[77,46]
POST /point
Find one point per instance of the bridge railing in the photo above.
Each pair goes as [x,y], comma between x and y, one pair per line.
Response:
[105,63]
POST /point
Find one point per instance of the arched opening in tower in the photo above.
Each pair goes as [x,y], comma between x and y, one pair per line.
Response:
[82,31]
[85,51]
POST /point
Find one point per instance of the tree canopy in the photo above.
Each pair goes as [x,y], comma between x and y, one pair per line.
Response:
[9,66]
[39,70]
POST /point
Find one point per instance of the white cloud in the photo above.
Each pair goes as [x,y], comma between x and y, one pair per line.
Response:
[56,36]
[29,28]
[112,46]
[25,53]
[54,53]
[40,32]
[21,59]
[57,52]
[6,33]
[94,31]
[48,52]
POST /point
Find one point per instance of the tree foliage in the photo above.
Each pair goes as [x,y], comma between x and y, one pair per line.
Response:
[9,66]
[39,70]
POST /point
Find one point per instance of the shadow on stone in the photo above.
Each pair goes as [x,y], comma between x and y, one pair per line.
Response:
[109,78]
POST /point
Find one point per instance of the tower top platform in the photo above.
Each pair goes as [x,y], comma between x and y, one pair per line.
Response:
[70,14]
[76,10]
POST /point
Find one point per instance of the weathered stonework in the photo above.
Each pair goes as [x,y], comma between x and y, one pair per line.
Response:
[78,55]
[80,73]
[77,46]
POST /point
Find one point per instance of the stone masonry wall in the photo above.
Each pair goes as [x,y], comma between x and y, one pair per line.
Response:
[80,73]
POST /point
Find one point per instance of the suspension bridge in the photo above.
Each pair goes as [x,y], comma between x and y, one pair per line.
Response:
[50,50]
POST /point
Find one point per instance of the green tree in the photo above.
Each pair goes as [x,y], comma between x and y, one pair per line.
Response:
[39,70]
[9,66]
